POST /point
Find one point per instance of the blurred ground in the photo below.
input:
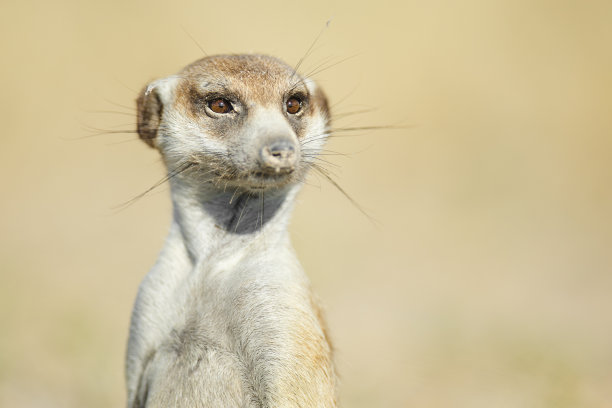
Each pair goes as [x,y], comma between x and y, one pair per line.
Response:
[485,280]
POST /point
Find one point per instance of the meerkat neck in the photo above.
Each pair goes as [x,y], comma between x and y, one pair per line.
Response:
[210,218]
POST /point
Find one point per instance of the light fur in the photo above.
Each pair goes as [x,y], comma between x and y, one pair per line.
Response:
[226,317]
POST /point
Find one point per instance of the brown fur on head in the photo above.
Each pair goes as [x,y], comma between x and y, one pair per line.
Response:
[259,142]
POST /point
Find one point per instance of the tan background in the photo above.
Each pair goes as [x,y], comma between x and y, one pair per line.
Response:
[486,280]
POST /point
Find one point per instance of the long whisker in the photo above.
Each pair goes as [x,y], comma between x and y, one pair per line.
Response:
[194,41]
[325,174]
[358,128]
[344,98]
[130,108]
[110,112]
[309,50]
[322,63]
[314,138]
[126,86]
[328,66]
[100,132]
[327,162]
[315,152]
[123,142]
[234,195]
[180,169]
[351,113]
[322,168]
[244,206]
[262,206]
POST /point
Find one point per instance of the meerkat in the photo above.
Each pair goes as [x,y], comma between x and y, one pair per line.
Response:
[226,317]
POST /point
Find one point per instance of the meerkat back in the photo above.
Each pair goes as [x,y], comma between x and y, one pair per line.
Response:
[226,317]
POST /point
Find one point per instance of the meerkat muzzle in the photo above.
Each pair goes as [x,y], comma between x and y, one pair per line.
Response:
[278,156]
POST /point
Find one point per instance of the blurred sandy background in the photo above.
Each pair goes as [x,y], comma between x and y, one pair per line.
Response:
[486,280]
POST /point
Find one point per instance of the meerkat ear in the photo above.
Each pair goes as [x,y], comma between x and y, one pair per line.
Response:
[150,105]
[150,108]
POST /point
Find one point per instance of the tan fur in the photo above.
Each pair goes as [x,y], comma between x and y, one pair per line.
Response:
[226,317]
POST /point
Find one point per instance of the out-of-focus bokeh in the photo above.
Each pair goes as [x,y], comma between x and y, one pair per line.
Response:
[485,279]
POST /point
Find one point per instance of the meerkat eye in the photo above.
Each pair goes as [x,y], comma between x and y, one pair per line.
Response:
[220,105]
[293,105]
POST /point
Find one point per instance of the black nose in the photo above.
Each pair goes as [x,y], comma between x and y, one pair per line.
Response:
[278,156]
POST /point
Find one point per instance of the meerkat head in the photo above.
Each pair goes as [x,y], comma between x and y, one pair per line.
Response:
[243,121]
